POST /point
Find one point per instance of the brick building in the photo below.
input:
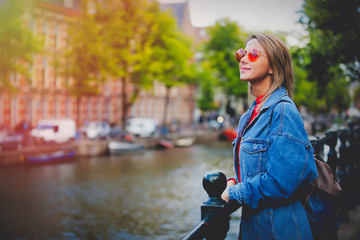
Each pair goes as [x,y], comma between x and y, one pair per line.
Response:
[44,95]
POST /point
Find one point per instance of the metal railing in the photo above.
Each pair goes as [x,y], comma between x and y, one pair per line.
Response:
[215,212]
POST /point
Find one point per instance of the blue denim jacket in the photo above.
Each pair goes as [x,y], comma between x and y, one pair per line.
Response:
[276,158]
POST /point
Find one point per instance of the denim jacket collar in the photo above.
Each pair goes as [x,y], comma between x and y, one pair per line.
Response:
[274,97]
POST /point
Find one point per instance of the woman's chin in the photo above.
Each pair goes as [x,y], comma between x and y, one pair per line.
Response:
[244,79]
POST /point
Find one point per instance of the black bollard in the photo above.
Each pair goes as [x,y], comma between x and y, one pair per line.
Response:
[331,140]
[343,176]
[213,210]
[317,145]
[356,152]
[351,168]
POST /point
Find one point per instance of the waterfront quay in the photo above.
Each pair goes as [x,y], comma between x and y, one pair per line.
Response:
[94,197]
[148,194]
[88,148]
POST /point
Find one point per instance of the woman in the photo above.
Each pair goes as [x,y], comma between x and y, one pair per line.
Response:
[273,156]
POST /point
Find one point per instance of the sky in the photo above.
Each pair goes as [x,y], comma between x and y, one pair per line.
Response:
[252,15]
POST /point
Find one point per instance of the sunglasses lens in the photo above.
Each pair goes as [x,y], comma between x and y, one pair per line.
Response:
[239,54]
[253,55]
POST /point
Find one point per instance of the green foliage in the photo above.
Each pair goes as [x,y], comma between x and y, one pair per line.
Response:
[207,86]
[171,56]
[316,95]
[357,94]
[171,52]
[17,43]
[339,22]
[225,38]
[87,57]
[356,97]
[305,90]
[338,95]
[127,27]
[319,50]
[131,40]
[333,33]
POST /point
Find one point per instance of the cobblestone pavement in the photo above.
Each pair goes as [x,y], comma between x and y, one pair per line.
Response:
[350,230]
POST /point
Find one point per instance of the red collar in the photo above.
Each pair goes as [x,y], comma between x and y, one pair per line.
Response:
[259,99]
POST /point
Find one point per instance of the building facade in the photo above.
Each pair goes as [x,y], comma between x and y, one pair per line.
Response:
[45,96]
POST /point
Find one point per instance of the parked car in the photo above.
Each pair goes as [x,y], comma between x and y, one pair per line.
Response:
[55,130]
[97,130]
[142,127]
[117,131]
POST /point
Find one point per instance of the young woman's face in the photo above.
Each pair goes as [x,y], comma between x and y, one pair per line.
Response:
[257,70]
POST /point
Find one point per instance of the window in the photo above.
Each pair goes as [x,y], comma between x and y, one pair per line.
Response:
[45,73]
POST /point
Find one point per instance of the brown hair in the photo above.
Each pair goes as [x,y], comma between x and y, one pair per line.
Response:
[279,61]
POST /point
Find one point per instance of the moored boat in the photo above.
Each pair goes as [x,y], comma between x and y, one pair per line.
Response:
[228,134]
[124,146]
[164,144]
[184,142]
[51,157]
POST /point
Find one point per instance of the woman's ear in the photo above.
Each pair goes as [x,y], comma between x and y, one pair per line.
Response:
[270,71]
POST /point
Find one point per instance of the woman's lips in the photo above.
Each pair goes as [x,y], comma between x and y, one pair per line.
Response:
[243,69]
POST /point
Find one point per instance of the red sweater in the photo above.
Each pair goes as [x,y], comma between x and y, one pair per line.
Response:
[256,109]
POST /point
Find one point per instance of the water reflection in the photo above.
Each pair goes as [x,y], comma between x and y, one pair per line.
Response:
[149,195]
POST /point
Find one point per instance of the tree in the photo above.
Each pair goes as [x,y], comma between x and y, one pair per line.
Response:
[333,47]
[339,26]
[126,24]
[86,60]
[318,94]
[337,91]
[128,40]
[357,97]
[226,38]
[305,90]
[171,55]
[17,43]
[207,86]
[144,46]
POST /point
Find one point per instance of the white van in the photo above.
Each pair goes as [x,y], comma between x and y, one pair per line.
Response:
[142,127]
[56,130]
[97,129]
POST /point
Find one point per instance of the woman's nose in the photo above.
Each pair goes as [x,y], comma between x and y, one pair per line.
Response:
[243,60]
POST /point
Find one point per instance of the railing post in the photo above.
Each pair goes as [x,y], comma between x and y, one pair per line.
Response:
[331,140]
[356,152]
[343,176]
[213,209]
[351,168]
[317,145]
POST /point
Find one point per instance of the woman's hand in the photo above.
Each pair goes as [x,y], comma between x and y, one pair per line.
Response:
[225,194]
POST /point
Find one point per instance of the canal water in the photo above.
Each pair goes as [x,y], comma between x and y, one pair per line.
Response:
[154,194]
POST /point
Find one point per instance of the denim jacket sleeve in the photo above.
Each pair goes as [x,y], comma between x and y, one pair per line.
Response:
[290,162]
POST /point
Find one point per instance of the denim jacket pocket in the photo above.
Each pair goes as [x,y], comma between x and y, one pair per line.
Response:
[253,156]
